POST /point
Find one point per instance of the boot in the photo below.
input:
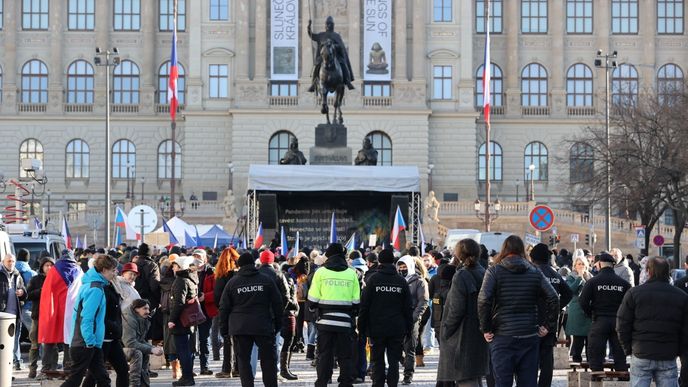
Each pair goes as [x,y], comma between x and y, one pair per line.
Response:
[419,361]
[310,352]
[285,357]
[176,369]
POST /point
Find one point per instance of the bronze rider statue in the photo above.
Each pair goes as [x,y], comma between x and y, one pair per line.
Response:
[321,38]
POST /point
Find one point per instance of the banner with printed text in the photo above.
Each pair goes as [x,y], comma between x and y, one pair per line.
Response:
[284,40]
[377,40]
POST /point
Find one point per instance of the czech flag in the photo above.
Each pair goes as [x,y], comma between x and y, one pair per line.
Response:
[486,67]
[189,241]
[258,240]
[118,236]
[333,229]
[174,72]
[283,242]
[422,240]
[351,244]
[65,233]
[37,224]
[166,228]
[399,226]
[295,250]
[53,299]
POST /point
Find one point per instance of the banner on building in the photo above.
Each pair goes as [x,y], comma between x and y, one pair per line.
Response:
[377,40]
[284,40]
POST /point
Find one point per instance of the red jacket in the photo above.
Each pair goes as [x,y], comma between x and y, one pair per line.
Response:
[209,295]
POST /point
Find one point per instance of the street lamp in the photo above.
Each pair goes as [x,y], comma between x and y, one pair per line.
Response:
[182,205]
[531,168]
[607,62]
[107,58]
[230,166]
[430,168]
[518,182]
[48,220]
[143,181]
[487,217]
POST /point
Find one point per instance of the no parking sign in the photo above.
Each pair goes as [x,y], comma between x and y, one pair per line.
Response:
[541,218]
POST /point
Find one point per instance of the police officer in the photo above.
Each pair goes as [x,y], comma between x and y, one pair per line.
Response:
[601,298]
[542,258]
[386,317]
[251,312]
[334,296]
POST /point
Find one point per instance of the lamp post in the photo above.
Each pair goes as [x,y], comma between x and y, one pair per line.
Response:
[230,166]
[143,181]
[531,169]
[487,217]
[518,182]
[607,62]
[110,60]
[128,196]
[48,220]
[430,168]
[32,211]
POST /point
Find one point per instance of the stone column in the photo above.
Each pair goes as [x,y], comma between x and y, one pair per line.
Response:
[557,73]
[512,74]
[11,69]
[400,49]
[262,40]
[194,61]
[56,67]
[147,65]
[419,35]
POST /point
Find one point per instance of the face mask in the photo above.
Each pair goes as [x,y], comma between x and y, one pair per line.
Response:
[403,273]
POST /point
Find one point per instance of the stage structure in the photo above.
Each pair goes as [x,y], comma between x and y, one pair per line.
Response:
[303,197]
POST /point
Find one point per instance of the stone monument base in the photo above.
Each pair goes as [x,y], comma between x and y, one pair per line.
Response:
[330,156]
[330,146]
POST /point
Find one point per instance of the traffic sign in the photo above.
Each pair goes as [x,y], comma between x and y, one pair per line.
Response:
[531,239]
[658,240]
[541,218]
[149,220]
[575,238]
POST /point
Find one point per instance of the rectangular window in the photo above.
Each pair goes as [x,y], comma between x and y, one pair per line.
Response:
[534,16]
[442,11]
[284,88]
[218,77]
[219,10]
[81,15]
[579,16]
[442,82]
[2,14]
[624,16]
[35,14]
[450,197]
[127,15]
[75,210]
[670,17]
[377,89]
[167,15]
[495,16]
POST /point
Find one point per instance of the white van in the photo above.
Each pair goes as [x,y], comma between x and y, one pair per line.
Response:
[491,240]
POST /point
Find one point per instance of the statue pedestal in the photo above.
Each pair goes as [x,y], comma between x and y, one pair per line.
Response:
[330,146]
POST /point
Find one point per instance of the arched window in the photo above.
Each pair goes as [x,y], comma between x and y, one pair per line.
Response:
[164,80]
[80,82]
[669,82]
[383,145]
[536,155]
[165,160]
[534,85]
[77,159]
[123,158]
[279,145]
[496,86]
[34,82]
[126,83]
[29,149]
[581,162]
[579,85]
[625,84]
[495,162]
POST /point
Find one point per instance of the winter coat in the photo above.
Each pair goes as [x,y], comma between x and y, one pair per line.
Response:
[682,283]
[148,281]
[220,284]
[126,291]
[602,295]
[623,270]
[508,300]
[251,305]
[135,329]
[17,282]
[292,307]
[90,310]
[34,294]
[279,279]
[113,313]
[418,287]
[577,323]
[26,273]
[184,288]
[206,279]
[463,350]
[652,322]
[386,308]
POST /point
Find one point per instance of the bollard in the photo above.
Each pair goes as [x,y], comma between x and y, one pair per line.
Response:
[573,379]
[8,326]
[561,357]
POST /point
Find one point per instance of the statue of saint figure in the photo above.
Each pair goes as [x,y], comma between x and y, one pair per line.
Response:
[367,155]
[377,64]
[293,156]
[432,207]
[342,54]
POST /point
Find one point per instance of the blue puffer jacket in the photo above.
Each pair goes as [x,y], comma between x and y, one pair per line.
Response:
[89,316]
[27,273]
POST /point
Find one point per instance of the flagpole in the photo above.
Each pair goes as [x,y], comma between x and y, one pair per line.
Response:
[173,127]
[487,120]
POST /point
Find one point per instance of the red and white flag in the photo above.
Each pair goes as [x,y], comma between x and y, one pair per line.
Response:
[65,234]
[487,66]
[174,71]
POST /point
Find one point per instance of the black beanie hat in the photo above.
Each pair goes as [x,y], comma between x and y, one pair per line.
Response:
[246,259]
[386,256]
[144,250]
[334,249]
[540,253]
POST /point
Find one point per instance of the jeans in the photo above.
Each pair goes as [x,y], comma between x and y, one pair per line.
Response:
[379,346]
[513,356]
[215,339]
[312,337]
[184,355]
[268,363]
[204,342]
[684,371]
[34,351]
[16,353]
[643,371]
[50,357]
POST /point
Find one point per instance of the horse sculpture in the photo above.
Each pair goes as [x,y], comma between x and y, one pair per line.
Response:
[331,80]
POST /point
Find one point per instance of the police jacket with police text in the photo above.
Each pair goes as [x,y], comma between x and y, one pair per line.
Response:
[559,285]
[602,295]
[334,295]
[386,308]
[653,320]
[250,305]
[508,299]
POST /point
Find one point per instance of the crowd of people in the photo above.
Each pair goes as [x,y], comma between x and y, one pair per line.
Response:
[368,313]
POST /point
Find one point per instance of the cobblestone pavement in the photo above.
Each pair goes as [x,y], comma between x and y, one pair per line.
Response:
[424,377]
